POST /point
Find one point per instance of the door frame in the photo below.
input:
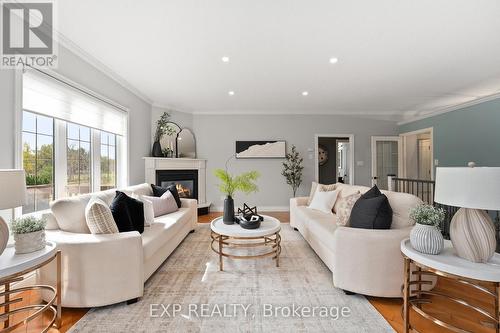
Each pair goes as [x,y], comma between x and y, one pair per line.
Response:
[351,157]
[403,136]
[374,140]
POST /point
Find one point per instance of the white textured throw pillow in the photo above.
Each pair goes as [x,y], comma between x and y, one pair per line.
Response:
[323,200]
[99,217]
[149,213]
[322,187]
[163,205]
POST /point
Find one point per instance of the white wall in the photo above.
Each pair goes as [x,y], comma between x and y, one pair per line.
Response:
[216,136]
[78,70]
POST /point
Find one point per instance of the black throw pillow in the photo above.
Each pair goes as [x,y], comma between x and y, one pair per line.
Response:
[372,211]
[128,213]
[158,191]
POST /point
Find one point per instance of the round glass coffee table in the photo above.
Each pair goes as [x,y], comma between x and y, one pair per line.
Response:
[228,237]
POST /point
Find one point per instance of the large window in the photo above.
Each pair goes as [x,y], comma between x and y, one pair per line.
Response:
[78,158]
[38,160]
[108,161]
[73,140]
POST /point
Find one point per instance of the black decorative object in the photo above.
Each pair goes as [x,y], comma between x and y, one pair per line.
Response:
[261,149]
[157,150]
[228,217]
[248,218]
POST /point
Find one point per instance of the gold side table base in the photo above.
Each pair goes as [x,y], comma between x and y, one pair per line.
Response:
[413,299]
[221,242]
[9,294]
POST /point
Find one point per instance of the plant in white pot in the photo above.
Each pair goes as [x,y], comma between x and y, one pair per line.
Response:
[426,236]
[29,234]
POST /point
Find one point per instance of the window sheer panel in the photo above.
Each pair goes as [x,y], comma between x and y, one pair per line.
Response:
[48,96]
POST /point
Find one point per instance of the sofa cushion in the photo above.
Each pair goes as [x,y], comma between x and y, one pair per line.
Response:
[323,200]
[401,204]
[323,187]
[158,191]
[99,217]
[372,211]
[320,225]
[164,228]
[344,208]
[344,192]
[128,213]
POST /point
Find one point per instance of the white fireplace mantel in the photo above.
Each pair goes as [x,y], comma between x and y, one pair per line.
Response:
[152,164]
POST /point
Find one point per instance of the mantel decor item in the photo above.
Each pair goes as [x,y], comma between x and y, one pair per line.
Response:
[230,184]
[425,236]
[13,194]
[29,234]
[162,128]
[292,169]
[475,190]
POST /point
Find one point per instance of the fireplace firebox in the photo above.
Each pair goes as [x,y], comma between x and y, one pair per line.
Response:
[186,181]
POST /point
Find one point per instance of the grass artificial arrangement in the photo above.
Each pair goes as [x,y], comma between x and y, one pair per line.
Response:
[230,184]
[427,215]
[25,225]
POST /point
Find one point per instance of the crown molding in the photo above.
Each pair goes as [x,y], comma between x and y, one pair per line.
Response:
[93,61]
[439,111]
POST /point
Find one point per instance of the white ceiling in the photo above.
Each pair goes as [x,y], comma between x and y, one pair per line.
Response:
[396,57]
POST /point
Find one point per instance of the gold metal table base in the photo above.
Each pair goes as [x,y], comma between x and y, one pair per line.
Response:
[220,243]
[11,296]
[413,299]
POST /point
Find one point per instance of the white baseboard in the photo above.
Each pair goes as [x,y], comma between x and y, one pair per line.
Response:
[259,208]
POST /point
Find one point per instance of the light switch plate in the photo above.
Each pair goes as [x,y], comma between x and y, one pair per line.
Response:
[360,163]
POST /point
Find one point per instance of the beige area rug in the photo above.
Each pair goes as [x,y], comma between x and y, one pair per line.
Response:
[189,294]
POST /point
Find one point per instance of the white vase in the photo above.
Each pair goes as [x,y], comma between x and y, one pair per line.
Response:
[30,242]
[4,235]
[426,239]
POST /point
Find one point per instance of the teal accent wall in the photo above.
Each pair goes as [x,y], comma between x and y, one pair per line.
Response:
[468,134]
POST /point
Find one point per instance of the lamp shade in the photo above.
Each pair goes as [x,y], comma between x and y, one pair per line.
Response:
[476,188]
[12,188]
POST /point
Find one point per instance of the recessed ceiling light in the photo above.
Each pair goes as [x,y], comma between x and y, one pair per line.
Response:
[231,93]
[334,60]
[305,93]
[225,59]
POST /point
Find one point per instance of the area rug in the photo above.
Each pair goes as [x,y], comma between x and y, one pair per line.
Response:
[188,293]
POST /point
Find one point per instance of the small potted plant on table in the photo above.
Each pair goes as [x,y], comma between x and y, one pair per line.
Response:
[29,234]
[425,236]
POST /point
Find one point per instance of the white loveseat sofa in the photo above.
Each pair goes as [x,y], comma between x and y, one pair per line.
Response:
[363,261]
[99,270]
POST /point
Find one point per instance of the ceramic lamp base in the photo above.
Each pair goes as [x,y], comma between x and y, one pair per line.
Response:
[472,233]
[4,234]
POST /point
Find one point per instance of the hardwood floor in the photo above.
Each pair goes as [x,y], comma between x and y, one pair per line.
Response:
[389,308]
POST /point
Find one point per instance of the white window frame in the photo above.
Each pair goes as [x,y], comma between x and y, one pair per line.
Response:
[60,142]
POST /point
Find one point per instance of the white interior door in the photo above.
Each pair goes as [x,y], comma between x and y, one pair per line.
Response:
[386,152]
[424,159]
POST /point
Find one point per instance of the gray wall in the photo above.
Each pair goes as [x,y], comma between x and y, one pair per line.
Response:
[216,136]
[78,70]
[468,134]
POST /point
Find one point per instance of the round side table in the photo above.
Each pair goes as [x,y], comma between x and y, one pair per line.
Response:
[448,264]
[226,236]
[13,268]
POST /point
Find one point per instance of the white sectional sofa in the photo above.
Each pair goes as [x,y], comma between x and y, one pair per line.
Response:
[99,270]
[363,261]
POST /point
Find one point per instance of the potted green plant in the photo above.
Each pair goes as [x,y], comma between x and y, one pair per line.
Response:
[292,169]
[426,236]
[230,184]
[29,234]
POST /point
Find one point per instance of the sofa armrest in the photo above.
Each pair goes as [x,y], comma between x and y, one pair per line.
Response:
[97,269]
[295,220]
[192,205]
[368,261]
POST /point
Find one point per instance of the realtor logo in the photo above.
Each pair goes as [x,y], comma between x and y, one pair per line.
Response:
[27,34]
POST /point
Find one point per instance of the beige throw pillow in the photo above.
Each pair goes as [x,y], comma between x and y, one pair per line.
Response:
[322,187]
[343,193]
[99,217]
[149,213]
[344,208]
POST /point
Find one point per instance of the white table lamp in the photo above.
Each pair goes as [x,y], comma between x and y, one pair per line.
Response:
[474,190]
[12,194]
